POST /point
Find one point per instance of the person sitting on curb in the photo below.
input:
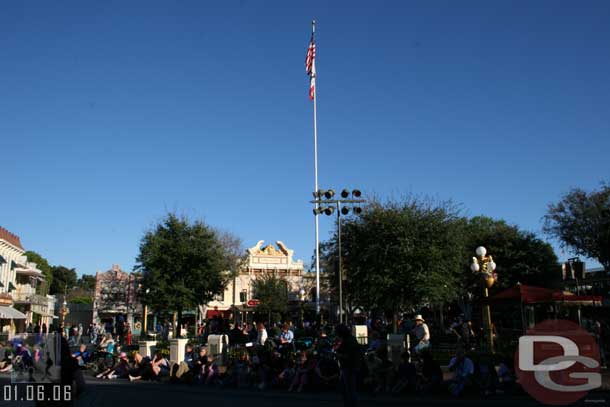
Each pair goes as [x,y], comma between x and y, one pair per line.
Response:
[286,339]
[185,370]
[463,371]
[82,355]
[431,379]
[199,365]
[406,375]
[212,374]
[142,369]
[261,337]
[107,344]
[119,371]
[326,371]
[303,371]
[160,366]
[153,369]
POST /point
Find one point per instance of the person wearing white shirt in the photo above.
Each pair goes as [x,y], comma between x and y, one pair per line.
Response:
[421,333]
[262,335]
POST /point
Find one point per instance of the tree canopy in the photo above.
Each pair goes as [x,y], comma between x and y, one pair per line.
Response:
[581,222]
[43,265]
[183,264]
[63,278]
[399,255]
[86,282]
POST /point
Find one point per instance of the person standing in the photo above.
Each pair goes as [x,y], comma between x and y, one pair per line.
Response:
[120,328]
[79,333]
[166,331]
[350,363]
[92,333]
[468,335]
[128,336]
[261,338]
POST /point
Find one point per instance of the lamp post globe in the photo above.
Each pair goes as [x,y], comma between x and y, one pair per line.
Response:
[475,267]
[481,251]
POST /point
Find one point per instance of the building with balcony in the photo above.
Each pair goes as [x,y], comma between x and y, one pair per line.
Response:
[20,302]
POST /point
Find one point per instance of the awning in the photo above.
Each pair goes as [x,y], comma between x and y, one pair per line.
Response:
[532,295]
[525,293]
[211,313]
[571,299]
[10,313]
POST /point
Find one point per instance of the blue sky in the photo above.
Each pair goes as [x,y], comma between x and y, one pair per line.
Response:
[112,113]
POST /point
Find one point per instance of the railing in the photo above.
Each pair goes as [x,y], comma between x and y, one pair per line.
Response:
[30,297]
[22,292]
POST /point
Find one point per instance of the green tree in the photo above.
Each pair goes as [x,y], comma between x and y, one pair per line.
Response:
[86,282]
[63,278]
[581,222]
[272,292]
[399,254]
[520,256]
[43,265]
[183,265]
[79,295]
[236,255]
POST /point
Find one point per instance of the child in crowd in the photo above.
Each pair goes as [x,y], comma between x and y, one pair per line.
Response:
[304,368]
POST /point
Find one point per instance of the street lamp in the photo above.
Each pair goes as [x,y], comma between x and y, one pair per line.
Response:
[143,331]
[486,266]
[63,312]
[324,203]
[302,299]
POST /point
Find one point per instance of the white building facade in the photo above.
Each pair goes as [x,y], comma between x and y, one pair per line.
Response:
[261,260]
[20,304]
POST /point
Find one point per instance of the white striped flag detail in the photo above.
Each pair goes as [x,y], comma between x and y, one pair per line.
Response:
[310,67]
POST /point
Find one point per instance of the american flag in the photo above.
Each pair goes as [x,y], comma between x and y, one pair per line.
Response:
[310,67]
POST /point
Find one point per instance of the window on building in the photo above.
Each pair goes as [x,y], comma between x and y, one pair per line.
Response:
[220,297]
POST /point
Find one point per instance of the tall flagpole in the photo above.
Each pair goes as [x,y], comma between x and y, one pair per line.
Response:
[315,166]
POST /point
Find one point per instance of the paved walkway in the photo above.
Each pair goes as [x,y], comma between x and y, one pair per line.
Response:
[119,393]
[116,393]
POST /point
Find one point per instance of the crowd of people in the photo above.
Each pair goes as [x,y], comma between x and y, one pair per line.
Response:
[309,358]
[319,358]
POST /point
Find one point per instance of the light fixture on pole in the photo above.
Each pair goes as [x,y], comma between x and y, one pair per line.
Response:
[486,266]
[323,203]
[302,300]
[143,331]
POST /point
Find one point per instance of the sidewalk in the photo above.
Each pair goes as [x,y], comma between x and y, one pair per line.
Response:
[100,392]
